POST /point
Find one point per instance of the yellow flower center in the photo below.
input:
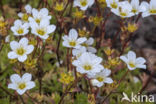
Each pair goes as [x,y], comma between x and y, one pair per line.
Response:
[84,44]
[37,20]
[87,67]
[134,10]
[83,3]
[152,11]
[123,14]
[20,51]
[132,64]
[41,32]
[25,17]
[20,31]
[100,79]
[114,5]
[72,43]
[21,86]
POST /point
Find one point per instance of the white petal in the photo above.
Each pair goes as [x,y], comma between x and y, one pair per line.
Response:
[96,60]
[20,15]
[135,3]
[12,55]
[77,46]
[96,83]
[90,2]
[18,23]
[84,8]
[21,92]
[7,39]
[73,34]
[108,80]
[140,60]
[153,4]
[91,49]
[124,58]
[35,13]
[30,85]
[75,63]
[26,77]
[15,78]
[44,11]
[24,41]
[65,43]
[81,40]
[44,23]
[12,86]
[14,45]
[51,29]
[25,26]
[44,37]
[22,58]
[29,49]
[145,14]
[65,38]
[106,72]
[144,6]
[28,8]
[131,56]
[141,66]
[90,41]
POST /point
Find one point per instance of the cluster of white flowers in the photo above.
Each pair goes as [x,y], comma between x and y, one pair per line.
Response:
[86,61]
[39,22]
[129,9]
[123,8]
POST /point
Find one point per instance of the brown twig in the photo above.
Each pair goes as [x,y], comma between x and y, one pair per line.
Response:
[22,99]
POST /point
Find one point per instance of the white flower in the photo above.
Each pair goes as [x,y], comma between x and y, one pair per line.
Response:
[88,63]
[72,41]
[43,29]
[112,3]
[25,16]
[148,9]
[20,28]
[21,84]
[83,4]
[78,52]
[135,7]
[88,44]
[38,16]
[20,50]
[133,62]
[102,77]
[124,10]
[136,79]
[7,39]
